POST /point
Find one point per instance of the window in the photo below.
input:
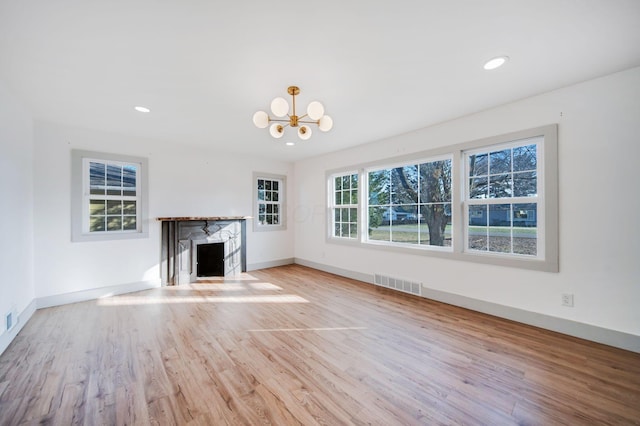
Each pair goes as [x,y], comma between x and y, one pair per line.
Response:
[491,201]
[344,205]
[411,203]
[112,196]
[108,199]
[501,199]
[269,211]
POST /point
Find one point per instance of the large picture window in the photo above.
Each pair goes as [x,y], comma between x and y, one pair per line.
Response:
[108,196]
[411,203]
[492,201]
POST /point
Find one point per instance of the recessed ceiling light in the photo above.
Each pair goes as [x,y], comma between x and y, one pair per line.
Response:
[495,62]
[142,109]
[290,143]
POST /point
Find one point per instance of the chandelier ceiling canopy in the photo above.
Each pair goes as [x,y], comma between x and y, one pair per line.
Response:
[280,109]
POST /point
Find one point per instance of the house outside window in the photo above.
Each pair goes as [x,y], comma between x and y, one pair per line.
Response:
[501,199]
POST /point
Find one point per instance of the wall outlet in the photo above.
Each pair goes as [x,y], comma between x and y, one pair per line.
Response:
[567,299]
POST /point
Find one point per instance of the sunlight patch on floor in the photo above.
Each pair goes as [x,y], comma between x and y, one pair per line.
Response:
[224,287]
[150,300]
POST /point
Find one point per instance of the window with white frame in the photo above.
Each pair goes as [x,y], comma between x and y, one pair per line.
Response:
[269,210]
[493,200]
[344,205]
[502,196]
[112,196]
[411,203]
[108,196]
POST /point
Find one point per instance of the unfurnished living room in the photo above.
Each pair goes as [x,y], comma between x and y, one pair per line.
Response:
[320,213]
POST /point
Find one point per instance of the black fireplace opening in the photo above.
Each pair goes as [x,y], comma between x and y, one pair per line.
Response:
[210,260]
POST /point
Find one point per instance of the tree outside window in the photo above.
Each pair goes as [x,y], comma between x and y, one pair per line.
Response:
[411,204]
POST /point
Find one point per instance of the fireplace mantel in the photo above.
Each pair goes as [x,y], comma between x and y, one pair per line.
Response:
[182,235]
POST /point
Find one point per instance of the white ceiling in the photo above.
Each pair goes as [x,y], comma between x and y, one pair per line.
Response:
[380,67]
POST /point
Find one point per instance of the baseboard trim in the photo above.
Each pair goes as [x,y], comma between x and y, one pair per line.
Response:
[23,317]
[270,264]
[95,293]
[368,278]
[618,339]
[581,330]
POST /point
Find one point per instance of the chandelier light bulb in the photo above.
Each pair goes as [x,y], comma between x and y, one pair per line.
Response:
[279,107]
[315,110]
[325,124]
[304,132]
[276,130]
[261,119]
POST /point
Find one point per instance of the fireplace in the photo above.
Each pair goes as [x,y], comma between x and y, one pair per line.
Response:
[194,248]
[210,260]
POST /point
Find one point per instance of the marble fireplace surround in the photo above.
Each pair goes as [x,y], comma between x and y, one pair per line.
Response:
[180,239]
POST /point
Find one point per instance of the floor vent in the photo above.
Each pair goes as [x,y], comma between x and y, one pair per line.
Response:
[405,286]
[9,321]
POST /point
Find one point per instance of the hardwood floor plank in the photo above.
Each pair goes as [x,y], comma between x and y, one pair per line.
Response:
[296,346]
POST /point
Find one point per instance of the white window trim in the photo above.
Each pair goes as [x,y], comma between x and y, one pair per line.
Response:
[547,202]
[79,197]
[282,200]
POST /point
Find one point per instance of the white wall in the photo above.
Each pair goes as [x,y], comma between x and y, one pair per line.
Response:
[16,205]
[183,181]
[599,231]
[599,158]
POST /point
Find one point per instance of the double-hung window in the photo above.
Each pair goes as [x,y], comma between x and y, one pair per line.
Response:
[502,199]
[112,196]
[108,196]
[344,205]
[269,197]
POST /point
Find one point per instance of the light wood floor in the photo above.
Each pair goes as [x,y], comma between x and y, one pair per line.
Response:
[292,345]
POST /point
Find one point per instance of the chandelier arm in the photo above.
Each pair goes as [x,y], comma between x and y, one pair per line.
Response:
[309,122]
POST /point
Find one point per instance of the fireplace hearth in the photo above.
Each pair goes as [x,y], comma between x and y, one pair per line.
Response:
[194,248]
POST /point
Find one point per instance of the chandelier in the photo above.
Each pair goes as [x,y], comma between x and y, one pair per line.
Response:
[280,108]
